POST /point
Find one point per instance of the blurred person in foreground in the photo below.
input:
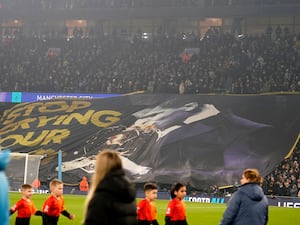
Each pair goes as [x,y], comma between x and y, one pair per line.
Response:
[248,205]
[4,199]
[111,199]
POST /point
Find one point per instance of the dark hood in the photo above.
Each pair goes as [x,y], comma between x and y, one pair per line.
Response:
[118,185]
[253,191]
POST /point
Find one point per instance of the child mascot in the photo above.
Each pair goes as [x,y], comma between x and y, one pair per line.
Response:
[4,201]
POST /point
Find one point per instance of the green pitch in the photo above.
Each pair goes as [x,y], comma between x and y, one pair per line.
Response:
[197,213]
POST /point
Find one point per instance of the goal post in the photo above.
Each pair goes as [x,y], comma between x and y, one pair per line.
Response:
[23,168]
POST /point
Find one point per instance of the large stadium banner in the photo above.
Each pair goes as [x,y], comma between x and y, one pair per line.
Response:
[197,139]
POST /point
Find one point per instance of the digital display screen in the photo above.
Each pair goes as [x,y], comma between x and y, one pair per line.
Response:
[17,97]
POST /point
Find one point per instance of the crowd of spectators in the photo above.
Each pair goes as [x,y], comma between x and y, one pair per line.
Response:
[70,4]
[285,179]
[160,63]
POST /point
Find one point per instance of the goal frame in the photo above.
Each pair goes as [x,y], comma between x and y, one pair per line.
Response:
[26,159]
[26,163]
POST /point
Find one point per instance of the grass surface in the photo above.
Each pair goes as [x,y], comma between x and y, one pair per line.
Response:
[197,213]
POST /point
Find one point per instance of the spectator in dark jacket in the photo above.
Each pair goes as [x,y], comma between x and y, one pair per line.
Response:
[111,199]
[248,205]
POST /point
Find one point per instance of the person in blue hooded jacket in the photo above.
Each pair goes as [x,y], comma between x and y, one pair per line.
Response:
[4,200]
[248,205]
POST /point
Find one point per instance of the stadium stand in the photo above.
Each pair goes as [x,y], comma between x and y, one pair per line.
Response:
[285,179]
[218,61]
[224,64]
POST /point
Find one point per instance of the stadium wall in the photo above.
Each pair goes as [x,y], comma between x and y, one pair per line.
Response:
[280,201]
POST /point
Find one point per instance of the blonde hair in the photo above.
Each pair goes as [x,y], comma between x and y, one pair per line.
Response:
[106,161]
[54,182]
[253,176]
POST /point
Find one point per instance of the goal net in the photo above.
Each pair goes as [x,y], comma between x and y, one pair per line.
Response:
[22,168]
